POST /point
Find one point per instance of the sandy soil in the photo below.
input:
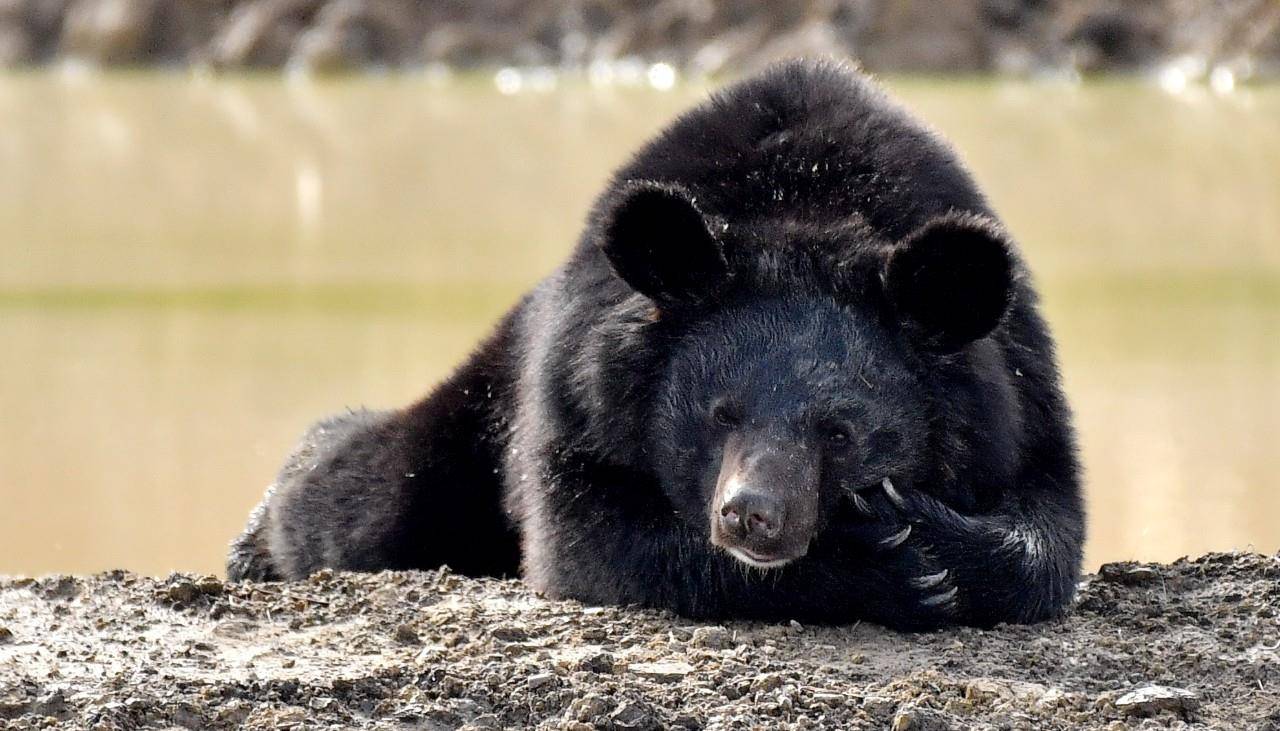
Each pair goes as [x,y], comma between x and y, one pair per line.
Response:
[438,651]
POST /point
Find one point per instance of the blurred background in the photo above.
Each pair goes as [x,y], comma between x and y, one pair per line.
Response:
[223,219]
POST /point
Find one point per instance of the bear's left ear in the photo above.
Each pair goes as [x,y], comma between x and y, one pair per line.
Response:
[951,279]
[661,245]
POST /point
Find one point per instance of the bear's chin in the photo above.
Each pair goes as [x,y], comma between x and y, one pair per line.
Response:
[759,562]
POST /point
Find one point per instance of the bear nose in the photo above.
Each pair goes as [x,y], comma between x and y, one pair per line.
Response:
[752,515]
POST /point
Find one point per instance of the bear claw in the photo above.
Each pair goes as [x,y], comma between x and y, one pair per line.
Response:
[896,539]
[940,599]
[862,504]
[928,581]
[893,493]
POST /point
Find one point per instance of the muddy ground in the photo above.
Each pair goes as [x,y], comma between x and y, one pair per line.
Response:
[438,651]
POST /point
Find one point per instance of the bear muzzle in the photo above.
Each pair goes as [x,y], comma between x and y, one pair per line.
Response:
[765,506]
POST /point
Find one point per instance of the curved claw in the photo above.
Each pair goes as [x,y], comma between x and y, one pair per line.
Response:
[939,599]
[862,504]
[893,493]
[928,581]
[896,539]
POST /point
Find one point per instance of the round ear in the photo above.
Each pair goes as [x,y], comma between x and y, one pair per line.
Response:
[660,244]
[951,279]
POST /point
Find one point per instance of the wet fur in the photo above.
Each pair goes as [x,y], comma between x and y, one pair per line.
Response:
[544,454]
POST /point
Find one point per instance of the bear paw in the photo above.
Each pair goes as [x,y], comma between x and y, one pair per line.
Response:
[909,531]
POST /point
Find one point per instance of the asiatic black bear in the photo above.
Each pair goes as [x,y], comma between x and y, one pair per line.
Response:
[793,369]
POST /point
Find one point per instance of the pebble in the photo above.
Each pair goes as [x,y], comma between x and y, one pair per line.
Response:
[715,638]
[6,635]
[600,662]
[587,708]
[405,635]
[509,634]
[663,672]
[482,723]
[540,680]
[1155,698]
[904,721]
[982,690]
[766,683]
[826,698]
[918,719]
[879,706]
[1127,573]
[632,715]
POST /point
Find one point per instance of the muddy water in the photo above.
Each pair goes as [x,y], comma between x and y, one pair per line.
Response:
[192,270]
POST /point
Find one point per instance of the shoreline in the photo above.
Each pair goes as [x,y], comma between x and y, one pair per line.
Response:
[1239,39]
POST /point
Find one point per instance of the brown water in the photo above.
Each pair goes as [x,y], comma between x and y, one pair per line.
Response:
[193,270]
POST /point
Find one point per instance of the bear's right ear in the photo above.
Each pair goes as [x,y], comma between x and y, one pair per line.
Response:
[661,245]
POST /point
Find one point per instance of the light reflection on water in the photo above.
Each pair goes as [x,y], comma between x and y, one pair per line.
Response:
[194,270]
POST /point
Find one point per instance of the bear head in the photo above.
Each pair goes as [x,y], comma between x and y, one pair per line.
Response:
[797,357]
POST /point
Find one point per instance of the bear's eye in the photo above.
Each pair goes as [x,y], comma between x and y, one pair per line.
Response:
[837,436]
[725,413]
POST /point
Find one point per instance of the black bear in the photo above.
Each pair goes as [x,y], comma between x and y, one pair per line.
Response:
[793,369]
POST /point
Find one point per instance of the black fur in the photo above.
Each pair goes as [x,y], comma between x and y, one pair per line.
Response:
[795,267]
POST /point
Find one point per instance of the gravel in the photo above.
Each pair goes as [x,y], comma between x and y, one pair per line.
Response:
[1194,644]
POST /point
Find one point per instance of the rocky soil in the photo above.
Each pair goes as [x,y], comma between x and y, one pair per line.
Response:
[1195,644]
[696,36]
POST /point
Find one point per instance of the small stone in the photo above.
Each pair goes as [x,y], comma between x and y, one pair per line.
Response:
[1127,573]
[60,587]
[1052,698]
[715,638]
[540,680]
[181,592]
[1155,698]
[509,634]
[53,704]
[662,672]
[600,662]
[878,706]
[483,722]
[766,683]
[981,691]
[6,635]
[826,698]
[632,715]
[451,687]
[918,719]
[1141,575]
[587,708]
[406,635]
[210,585]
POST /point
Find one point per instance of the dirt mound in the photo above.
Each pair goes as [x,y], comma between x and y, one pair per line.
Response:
[1195,644]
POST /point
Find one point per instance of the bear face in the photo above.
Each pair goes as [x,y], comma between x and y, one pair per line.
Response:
[775,410]
[779,403]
